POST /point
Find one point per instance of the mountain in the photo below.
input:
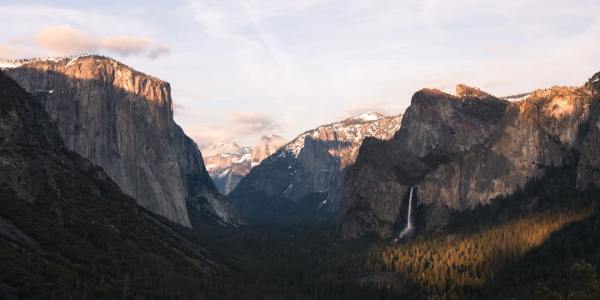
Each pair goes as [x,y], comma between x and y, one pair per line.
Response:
[228,163]
[306,176]
[68,232]
[465,150]
[122,120]
[224,148]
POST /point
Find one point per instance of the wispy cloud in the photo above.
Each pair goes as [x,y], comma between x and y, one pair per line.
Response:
[305,63]
[64,40]
[250,122]
[63,31]
[238,126]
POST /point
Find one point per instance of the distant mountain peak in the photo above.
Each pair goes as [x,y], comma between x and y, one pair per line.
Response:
[228,162]
[463,91]
[230,148]
[306,175]
[369,116]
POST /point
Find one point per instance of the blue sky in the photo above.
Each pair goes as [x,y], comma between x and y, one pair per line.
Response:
[241,69]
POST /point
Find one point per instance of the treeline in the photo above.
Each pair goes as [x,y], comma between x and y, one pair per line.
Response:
[530,245]
[538,243]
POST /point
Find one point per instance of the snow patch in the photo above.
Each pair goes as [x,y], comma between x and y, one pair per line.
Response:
[517,98]
[8,64]
[369,116]
[244,158]
[370,125]
[12,64]
[72,61]
[224,173]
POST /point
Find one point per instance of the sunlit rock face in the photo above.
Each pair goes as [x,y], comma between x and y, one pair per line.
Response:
[464,153]
[536,133]
[305,177]
[122,120]
[435,129]
[228,163]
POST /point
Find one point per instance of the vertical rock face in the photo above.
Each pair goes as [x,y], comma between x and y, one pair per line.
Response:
[534,134]
[435,129]
[589,143]
[465,153]
[439,124]
[306,176]
[122,120]
[228,163]
[58,208]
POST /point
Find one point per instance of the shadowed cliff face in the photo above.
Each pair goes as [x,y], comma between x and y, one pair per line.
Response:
[439,124]
[534,134]
[228,163]
[61,216]
[588,144]
[472,148]
[122,120]
[436,128]
[305,177]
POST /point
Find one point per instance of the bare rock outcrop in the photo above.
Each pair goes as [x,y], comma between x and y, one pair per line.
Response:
[122,120]
[466,150]
[306,177]
[228,163]
[435,129]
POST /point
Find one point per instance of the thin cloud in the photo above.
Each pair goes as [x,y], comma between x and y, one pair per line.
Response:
[238,126]
[250,123]
[11,50]
[159,50]
[65,40]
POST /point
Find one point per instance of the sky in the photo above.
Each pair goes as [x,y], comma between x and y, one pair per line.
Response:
[242,69]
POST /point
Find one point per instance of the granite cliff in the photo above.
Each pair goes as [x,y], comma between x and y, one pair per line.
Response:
[122,120]
[435,129]
[228,163]
[67,230]
[305,177]
[466,150]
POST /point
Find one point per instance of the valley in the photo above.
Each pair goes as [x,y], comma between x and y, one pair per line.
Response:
[463,196]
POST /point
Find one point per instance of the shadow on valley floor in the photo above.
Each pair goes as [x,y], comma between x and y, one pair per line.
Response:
[479,255]
[126,127]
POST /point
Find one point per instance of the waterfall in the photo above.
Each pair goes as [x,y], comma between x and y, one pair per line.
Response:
[408,229]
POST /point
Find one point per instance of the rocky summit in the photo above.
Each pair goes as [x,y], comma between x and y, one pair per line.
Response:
[228,163]
[461,151]
[122,120]
[306,176]
[65,223]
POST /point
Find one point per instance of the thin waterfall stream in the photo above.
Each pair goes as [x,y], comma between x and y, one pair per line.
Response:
[408,230]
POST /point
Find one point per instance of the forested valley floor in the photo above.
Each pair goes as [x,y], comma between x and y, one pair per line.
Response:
[539,243]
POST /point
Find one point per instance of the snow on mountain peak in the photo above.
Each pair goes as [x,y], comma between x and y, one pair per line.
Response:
[9,64]
[369,116]
[230,148]
[228,162]
[15,63]
[352,130]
